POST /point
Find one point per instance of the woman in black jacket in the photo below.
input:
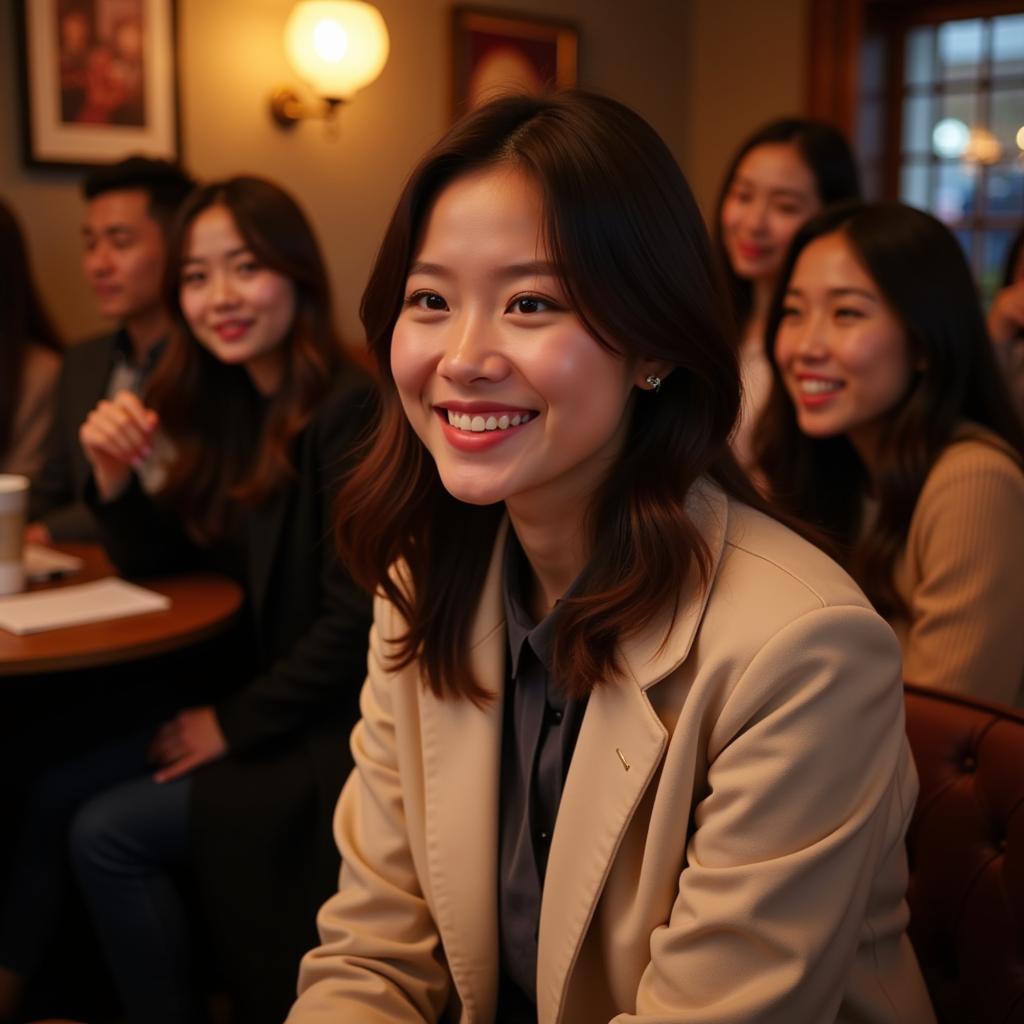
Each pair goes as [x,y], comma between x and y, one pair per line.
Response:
[232,462]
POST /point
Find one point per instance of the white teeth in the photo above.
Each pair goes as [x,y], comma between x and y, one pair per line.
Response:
[479,424]
[818,387]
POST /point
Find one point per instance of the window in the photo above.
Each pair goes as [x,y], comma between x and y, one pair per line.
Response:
[949,138]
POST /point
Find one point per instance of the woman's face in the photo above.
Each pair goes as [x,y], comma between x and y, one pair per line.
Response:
[771,196]
[511,395]
[842,351]
[238,309]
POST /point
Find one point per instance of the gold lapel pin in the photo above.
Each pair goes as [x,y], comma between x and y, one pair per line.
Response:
[625,763]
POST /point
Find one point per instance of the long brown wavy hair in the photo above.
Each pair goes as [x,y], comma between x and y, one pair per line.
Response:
[228,453]
[635,262]
[922,273]
[828,157]
[23,319]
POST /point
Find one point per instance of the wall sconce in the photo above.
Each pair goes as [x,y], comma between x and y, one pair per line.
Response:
[336,47]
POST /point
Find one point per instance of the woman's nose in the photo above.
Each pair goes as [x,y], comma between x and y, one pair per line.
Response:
[222,290]
[472,352]
[812,341]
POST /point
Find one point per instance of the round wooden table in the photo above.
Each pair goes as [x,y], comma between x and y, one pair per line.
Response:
[202,605]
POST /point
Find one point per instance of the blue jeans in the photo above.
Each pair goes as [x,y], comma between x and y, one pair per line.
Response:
[126,844]
[35,900]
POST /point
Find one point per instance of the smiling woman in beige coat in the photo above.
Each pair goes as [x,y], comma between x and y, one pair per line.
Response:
[631,749]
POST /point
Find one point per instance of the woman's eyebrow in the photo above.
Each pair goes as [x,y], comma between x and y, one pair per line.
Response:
[532,268]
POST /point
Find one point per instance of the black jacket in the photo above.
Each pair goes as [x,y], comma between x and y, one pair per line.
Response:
[261,821]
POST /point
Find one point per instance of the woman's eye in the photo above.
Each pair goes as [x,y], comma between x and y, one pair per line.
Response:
[789,311]
[193,277]
[249,267]
[849,313]
[530,304]
[427,300]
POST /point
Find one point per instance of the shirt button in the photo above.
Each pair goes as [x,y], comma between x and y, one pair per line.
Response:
[556,715]
[545,837]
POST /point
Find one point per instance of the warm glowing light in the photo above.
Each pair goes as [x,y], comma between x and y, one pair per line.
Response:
[330,41]
[1020,137]
[337,46]
[983,147]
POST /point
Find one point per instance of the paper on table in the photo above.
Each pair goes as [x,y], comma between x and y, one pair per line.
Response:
[42,563]
[109,598]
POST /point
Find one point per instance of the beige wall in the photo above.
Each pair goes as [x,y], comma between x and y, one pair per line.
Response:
[748,67]
[703,72]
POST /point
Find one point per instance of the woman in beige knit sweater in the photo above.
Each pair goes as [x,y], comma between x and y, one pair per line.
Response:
[890,428]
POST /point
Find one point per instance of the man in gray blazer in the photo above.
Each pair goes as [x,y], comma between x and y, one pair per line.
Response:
[129,208]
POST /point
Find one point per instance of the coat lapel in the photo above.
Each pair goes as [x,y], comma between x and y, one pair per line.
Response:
[462,808]
[619,750]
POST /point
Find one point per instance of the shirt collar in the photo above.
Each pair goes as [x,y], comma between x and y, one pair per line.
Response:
[522,627]
[125,353]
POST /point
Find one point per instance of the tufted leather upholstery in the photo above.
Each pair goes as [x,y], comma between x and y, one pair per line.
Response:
[966,849]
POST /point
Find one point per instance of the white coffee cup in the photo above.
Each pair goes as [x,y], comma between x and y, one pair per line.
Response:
[13,509]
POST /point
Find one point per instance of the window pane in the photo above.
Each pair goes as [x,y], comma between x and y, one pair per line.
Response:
[917,124]
[961,105]
[956,111]
[919,58]
[1008,45]
[914,188]
[961,48]
[1007,118]
[954,192]
[1004,190]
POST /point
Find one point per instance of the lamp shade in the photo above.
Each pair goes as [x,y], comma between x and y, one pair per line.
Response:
[336,46]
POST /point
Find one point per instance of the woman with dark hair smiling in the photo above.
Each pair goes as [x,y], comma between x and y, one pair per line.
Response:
[782,175]
[890,427]
[630,748]
[251,417]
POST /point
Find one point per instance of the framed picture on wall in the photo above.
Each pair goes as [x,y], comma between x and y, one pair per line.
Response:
[494,53]
[99,80]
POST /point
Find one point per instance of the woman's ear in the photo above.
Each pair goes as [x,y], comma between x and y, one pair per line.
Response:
[650,374]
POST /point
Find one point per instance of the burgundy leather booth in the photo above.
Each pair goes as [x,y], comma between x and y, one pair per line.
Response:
[966,849]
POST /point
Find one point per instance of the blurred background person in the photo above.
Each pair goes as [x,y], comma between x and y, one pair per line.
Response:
[782,175]
[129,206]
[1006,321]
[261,409]
[30,355]
[889,426]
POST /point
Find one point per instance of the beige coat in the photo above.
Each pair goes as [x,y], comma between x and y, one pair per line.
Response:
[729,845]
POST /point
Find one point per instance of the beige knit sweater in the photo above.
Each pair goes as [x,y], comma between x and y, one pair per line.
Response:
[962,573]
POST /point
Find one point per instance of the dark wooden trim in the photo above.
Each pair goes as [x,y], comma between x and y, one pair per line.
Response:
[833,58]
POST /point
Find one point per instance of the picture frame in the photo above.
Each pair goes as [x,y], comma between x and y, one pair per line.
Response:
[99,81]
[495,52]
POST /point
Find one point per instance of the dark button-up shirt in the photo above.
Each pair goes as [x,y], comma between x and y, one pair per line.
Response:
[538,739]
